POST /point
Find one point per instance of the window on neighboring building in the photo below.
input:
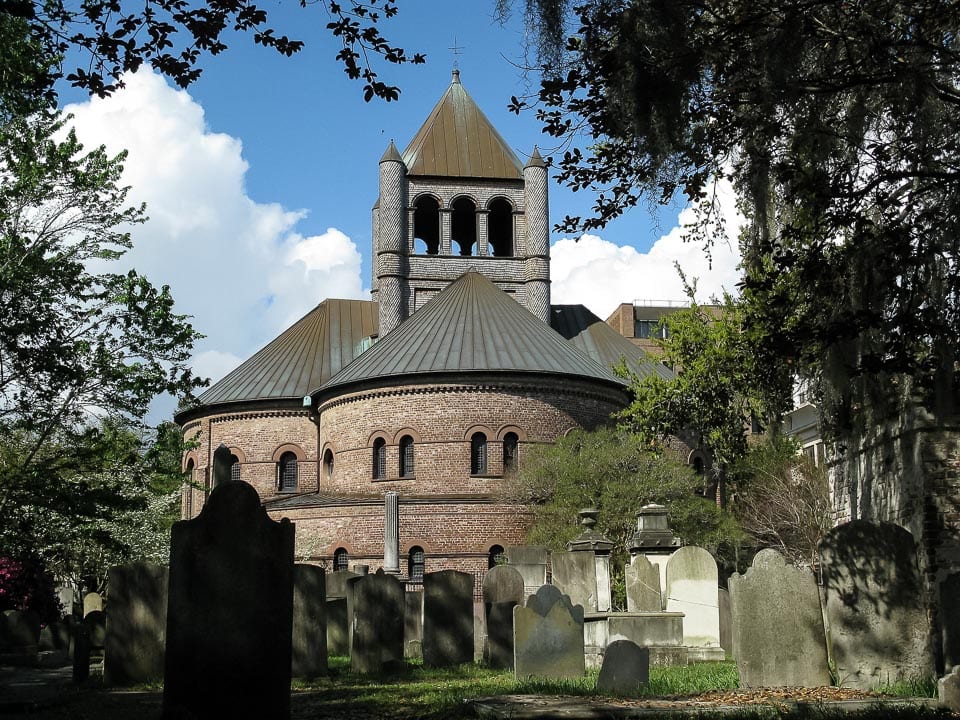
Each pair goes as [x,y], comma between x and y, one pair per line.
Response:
[649,329]
[406,456]
[341,559]
[463,225]
[500,228]
[287,472]
[328,464]
[234,467]
[495,556]
[416,563]
[379,459]
[478,454]
[426,226]
[510,444]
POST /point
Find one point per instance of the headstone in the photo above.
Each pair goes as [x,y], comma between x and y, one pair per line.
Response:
[502,591]
[575,575]
[81,653]
[726,620]
[391,533]
[230,610]
[137,624]
[222,465]
[66,597]
[625,669]
[531,562]
[643,586]
[377,620]
[92,602]
[948,690]
[692,589]
[21,631]
[309,641]
[876,617]
[777,625]
[336,583]
[96,623]
[447,618]
[55,636]
[950,620]
[413,624]
[597,548]
[338,627]
[548,636]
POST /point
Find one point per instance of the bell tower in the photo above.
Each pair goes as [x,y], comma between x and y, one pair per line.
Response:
[458,199]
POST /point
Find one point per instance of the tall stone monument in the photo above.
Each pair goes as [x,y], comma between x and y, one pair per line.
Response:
[583,572]
[654,540]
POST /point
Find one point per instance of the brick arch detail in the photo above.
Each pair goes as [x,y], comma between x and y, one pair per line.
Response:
[241,456]
[521,434]
[336,545]
[377,434]
[289,447]
[406,431]
[327,446]
[469,196]
[568,431]
[491,435]
[426,193]
[511,203]
[187,457]
[427,546]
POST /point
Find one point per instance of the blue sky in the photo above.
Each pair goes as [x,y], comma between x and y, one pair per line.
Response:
[259,178]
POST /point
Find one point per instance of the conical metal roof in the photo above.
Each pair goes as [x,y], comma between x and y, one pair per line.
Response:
[593,337]
[457,140]
[470,326]
[303,357]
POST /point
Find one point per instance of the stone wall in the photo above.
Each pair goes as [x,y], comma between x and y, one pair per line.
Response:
[907,471]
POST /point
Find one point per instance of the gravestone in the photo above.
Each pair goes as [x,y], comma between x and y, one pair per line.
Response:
[376,605]
[950,620]
[55,636]
[230,610]
[575,575]
[625,669]
[413,624]
[222,465]
[137,624]
[876,618]
[777,625]
[92,602]
[96,623]
[309,641]
[726,620]
[338,624]
[643,586]
[502,591]
[336,583]
[948,690]
[19,637]
[692,589]
[548,636]
[531,562]
[447,618]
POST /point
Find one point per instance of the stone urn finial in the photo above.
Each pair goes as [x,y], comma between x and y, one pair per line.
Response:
[590,540]
[588,517]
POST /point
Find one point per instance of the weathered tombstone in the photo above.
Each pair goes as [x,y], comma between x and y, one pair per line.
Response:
[586,579]
[950,619]
[96,622]
[377,620]
[777,625]
[92,602]
[948,690]
[876,618]
[643,586]
[413,624]
[502,591]
[548,636]
[230,610]
[137,624]
[81,653]
[531,562]
[726,620]
[309,642]
[626,667]
[338,624]
[575,575]
[336,583]
[692,589]
[21,631]
[222,465]
[447,618]
[55,636]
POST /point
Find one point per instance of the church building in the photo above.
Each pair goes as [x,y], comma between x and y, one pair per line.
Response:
[438,386]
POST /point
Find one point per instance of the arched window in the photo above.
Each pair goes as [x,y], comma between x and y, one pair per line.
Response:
[500,228]
[416,563]
[495,556]
[478,454]
[379,459]
[287,472]
[328,464]
[464,225]
[698,465]
[234,467]
[406,456]
[341,559]
[510,445]
[426,226]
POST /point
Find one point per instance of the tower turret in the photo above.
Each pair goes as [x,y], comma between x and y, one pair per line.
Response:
[537,267]
[390,241]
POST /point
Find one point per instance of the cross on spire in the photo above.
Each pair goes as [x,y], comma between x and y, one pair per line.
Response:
[457,51]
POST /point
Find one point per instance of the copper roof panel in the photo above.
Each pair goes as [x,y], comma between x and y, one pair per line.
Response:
[471,326]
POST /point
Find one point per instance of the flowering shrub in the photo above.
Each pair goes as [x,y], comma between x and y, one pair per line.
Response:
[26,585]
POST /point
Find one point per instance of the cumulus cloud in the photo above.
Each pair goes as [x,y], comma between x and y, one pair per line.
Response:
[235,264]
[602,275]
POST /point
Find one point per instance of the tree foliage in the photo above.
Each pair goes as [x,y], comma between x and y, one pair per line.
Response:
[172,36]
[836,122]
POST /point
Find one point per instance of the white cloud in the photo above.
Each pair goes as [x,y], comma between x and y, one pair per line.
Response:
[233,263]
[602,275]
